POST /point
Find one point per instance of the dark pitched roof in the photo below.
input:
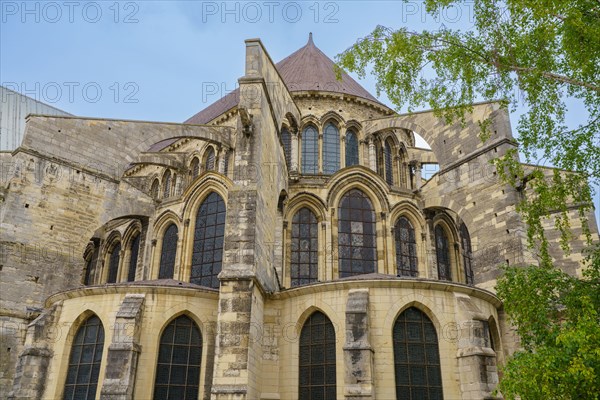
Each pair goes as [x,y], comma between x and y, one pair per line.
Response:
[307,69]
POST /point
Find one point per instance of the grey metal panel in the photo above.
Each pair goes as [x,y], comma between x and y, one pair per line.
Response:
[14,107]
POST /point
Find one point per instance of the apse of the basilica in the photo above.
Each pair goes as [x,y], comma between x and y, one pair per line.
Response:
[283,243]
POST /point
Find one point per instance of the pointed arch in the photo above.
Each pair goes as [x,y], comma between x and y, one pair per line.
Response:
[388,160]
[85,360]
[442,253]
[416,357]
[209,232]
[155,189]
[406,248]
[195,167]
[351,148]
[166,182]
[179,360]
[357,235]
[304,253]
[317,363]
[310,150]
[467,254]
[331,148]
[286,141]
[168,252]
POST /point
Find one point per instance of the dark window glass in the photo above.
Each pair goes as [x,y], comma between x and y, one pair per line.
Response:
[416,357]
[305,248]
[317,359]
[351,149]
[90,264]
[467,254]
[113,264]
[389,163]
[357,236]
[406,248]
[310,151]
[442,252]
[154,189]
[84,361]
[167,185]
[286,139]
[331,149]
[210,159]
[195,168]
[135,248]
[208,242]
[168,252]
[179,357]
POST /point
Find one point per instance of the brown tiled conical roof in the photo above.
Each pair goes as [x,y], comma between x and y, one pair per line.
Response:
[307,69]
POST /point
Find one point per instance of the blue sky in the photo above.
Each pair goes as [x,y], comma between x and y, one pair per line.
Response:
[155,60]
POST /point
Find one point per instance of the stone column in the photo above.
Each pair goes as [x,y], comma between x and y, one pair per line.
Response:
[343,152]
[294,150]
[372,155]
[32,365]
[320,156]
[476,358]
[123,352]
[358,353]
[417,166]
[222,156]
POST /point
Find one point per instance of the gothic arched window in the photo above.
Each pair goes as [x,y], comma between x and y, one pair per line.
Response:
[416,357]
[195,168]
[209,159]
[406,248]
[442,252]
[168,252]
[310,150]
[167,184]
[113,263]
[84,361]
[154,189]
[179,358]
[389,162]
[317,359]
[134,250]
[208,242]
[286,140]
[304,267]
[467,254]
[331,149]
[357,236]
[351,149]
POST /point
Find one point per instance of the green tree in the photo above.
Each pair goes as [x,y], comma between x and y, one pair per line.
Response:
[535,56]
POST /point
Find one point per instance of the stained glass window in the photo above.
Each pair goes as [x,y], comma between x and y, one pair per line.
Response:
[465,241]
[167,184]
[134,250]
[310,151]
[442,251]
[84,361]
[195,167]
[331,149]
[168,253]
[113,264]
[210,159]
[416,357]
[317,380]
[286,139]
[90,264]
[209,231]
[351,149]
[305,247]
[406,248]
[389,163]
[357,236]
[179,358]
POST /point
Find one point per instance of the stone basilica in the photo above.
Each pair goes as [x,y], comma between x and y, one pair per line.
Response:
[280,244]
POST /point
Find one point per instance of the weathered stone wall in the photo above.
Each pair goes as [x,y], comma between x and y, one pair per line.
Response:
[160,306]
